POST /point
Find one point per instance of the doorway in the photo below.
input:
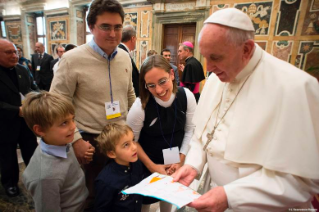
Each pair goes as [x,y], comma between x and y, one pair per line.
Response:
[173,35]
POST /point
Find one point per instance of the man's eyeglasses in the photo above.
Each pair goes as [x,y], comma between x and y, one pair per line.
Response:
[10,52]
[109,28]
[162,82]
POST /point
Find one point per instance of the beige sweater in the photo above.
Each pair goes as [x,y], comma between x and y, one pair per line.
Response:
[83,77]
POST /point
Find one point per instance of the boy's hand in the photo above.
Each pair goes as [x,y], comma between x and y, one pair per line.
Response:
[80,148]
[89,154]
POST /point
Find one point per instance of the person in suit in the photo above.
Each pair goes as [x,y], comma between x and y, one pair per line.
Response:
[41,67]
[15,83]
[55,63]
[166,53]
[128,43]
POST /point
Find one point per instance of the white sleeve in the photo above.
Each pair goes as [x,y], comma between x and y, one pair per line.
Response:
[196,157]
[189,126]
[135,118]
[267,190]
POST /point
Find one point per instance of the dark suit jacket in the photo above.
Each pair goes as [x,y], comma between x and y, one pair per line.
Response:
[45,75]
[135,73]
[10,101]
[53,62]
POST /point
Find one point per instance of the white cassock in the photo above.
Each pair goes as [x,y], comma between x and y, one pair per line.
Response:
[265,151]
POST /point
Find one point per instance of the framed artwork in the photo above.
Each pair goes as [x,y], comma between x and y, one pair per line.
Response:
[58,30]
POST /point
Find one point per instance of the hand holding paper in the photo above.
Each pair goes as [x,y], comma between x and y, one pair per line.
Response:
[164,188]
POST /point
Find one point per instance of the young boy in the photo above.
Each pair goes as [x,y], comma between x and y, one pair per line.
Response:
[53,177]
[123,171]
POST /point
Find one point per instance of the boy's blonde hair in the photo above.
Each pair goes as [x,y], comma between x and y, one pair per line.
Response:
[110,136]
[44,109]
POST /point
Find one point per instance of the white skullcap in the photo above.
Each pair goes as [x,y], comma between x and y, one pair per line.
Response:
[231,17]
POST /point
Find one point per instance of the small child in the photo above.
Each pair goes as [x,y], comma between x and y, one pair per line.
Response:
[117,142]
[53,177]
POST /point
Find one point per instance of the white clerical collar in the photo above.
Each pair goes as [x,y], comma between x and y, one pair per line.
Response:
[250,67]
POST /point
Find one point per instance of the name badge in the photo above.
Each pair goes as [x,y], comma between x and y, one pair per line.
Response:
[171,155]
[38,68]
[22,97]
[112,109]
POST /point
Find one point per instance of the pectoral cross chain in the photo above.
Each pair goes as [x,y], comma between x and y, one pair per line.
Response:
[209,136]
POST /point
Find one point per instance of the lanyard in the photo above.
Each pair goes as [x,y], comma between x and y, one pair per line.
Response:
[109,66]
[159,118]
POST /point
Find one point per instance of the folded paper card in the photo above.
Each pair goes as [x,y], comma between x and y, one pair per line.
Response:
[162,187]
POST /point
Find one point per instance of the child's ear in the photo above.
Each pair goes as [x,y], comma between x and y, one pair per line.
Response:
[111,154]
[38,130]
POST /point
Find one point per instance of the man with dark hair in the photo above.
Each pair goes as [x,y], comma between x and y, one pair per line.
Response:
[128,44]
[193,72]
[166,53]
[97,77]
[55,63]
[41,67]
[15,83]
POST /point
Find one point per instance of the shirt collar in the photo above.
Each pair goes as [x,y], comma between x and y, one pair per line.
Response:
[251,66]
[98,50]
[58,151]
[121,168]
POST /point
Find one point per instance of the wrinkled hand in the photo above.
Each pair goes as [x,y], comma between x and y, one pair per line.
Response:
[174,167]
[20,112]
[160,168]
[214,200]
[185,175]
[89,154]
[81,147]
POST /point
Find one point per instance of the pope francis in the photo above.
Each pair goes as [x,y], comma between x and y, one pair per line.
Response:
[257,124]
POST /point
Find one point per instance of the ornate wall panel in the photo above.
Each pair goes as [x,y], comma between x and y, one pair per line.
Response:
[311,21]
[287,17]
[260,14]
[141,18]
[14,33]
[282,50]
[58,32]
[308,57]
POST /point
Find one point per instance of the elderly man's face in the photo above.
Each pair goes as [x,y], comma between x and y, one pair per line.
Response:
[182,53]
[39,48]
[60,51]
[8,54]
[107,31]
[223,58]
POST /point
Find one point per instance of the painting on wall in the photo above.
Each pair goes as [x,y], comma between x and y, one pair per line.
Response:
[311,22]
[130,19]
[282,50]
[58,30]
[32,36]
[260,15]
[288,17]
[308,57]
[14,32]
